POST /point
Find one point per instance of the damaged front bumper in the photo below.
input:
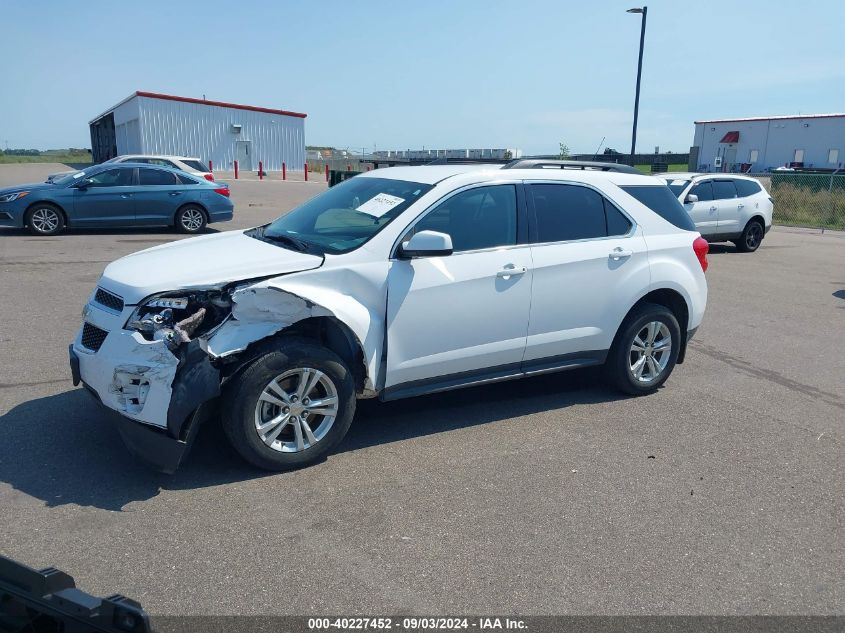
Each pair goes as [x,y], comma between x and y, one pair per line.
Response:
[160,393]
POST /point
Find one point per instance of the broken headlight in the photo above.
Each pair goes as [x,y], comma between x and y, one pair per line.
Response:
[177,318]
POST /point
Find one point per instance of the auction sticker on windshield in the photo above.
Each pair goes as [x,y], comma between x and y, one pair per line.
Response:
[379,204]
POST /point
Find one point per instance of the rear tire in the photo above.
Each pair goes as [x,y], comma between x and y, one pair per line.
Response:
[290,406]
[751,238]
[190,219]
[644,351]
[44,218]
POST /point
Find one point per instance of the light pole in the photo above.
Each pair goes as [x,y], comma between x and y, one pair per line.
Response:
[644,12]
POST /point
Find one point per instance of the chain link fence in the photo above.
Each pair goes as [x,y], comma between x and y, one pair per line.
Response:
[811,200]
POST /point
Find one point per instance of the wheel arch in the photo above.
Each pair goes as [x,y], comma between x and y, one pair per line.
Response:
[32,205]
[191,203]
[676,303]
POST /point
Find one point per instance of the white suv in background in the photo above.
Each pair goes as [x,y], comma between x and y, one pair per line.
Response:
[395,283]
[193,166]
[725,207]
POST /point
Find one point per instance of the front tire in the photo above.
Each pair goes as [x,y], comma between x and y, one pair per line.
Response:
[190,219]
[290,406]
[45,219]
[751,237]
[645,350]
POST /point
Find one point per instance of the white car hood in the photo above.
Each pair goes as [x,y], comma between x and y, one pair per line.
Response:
[201,262]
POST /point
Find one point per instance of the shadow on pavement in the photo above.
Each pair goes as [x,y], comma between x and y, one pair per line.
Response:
[64,448]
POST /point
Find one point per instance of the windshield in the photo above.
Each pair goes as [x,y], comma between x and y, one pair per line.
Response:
[677,185]
[71,177]
[348,214]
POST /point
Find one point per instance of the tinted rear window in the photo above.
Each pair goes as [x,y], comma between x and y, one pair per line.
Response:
[724,189]
[195,164]
[663,202]
[746,187]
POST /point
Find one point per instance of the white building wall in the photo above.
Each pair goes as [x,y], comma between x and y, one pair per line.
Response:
[163,126]
[775,141]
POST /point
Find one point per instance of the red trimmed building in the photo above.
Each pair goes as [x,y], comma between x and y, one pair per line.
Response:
[762,143]
[153,123]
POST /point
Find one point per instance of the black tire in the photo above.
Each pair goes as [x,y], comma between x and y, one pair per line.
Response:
[243,410]
[752,236]
[618,366]
[44,218]
[191,219]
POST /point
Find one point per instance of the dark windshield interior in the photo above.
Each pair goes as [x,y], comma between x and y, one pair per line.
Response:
[348,214]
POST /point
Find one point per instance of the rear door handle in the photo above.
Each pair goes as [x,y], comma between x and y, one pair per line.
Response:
[740,206]
[510,270]
[175,193]
[712,208]
[125,195]
[618,253]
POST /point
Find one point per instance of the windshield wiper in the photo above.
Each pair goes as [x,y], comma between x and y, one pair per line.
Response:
[296,244]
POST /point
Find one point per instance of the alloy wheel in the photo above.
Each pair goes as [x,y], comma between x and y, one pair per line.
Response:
[45,220]
[753,236]
[650,352]
[192,219]
[296,410]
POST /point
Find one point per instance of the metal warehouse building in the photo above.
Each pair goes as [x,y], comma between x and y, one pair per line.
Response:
[762,143]
[152,123]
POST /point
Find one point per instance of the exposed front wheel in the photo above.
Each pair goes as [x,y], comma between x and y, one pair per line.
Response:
[751,237]
[190,219]
[645,350]
[45,219]
[290,407]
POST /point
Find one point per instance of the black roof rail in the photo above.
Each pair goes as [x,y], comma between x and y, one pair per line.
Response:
[543,163]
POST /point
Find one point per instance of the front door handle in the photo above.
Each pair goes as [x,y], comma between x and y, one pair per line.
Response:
[125,195]
[618,253]
[175,193]
[712,208]
[510,270]
[740,206]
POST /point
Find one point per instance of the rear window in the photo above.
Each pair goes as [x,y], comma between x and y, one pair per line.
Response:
[663,202]
[746,187]
[195,164]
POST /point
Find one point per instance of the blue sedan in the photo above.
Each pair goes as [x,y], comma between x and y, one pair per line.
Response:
[112,195]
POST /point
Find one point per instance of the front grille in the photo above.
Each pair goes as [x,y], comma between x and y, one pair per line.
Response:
[111,301]
[93,337]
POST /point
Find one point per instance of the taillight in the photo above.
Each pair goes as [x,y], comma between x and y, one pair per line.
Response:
[209,177]
[701,248]
[224,191]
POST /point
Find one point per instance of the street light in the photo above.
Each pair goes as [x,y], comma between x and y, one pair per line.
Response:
[644,12]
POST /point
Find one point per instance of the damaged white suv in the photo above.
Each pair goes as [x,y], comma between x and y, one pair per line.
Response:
[395,283]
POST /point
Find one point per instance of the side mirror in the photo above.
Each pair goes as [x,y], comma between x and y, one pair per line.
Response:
[691,198]
[426,244]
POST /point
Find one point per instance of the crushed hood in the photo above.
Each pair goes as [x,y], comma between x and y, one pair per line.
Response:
[200,262]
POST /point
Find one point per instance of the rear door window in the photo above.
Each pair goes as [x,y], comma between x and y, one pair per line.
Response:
[724,189]
[564,213]
[157,177]
[745,188]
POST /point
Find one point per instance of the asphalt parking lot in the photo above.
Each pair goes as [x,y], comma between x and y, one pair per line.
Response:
[720,494]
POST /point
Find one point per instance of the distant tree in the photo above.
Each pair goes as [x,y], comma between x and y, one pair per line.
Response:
[564,151]
[508,154]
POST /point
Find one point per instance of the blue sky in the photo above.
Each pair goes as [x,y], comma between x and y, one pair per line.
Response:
[460,73]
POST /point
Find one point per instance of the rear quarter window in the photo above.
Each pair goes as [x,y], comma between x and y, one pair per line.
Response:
[663,202]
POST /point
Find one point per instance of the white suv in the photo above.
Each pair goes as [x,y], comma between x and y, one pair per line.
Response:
[193,166]
[725,207]
[395,283]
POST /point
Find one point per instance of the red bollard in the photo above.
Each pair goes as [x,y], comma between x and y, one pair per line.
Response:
[236,170]
[284,172]
[348,167]
[260,170]
[210,167]
[306,172]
